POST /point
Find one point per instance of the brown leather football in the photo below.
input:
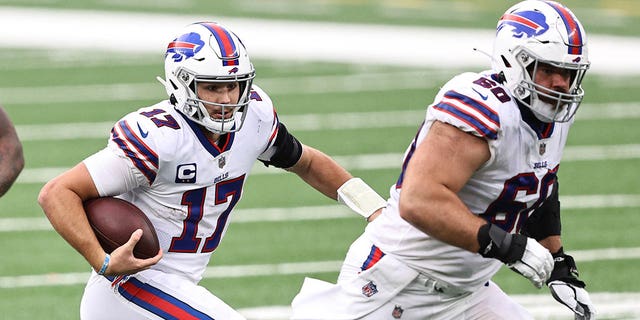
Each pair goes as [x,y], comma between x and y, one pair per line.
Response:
[114,220]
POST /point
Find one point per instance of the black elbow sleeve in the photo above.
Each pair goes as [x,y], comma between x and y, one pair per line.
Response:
[288,149]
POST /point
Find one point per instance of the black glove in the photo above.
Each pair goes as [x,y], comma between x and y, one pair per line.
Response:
[567,289]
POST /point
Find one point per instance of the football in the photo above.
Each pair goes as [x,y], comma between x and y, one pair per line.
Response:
[114,220]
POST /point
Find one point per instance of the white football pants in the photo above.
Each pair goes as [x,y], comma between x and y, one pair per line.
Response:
[389,289]
[150,294]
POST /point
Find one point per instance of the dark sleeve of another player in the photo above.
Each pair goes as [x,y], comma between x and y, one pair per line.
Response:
[288,149]
[545,221]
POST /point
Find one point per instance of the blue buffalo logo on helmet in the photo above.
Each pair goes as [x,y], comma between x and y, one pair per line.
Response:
[524,23]
[184,46]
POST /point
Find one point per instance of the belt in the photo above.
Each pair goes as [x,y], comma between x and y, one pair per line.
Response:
[436,286]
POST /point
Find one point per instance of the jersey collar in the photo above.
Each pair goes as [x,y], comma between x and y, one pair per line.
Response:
[543,130]
[224,143]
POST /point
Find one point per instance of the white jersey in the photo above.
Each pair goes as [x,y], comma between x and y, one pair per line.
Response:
[186,185]
[525,154]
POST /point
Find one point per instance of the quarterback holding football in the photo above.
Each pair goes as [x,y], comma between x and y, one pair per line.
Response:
[184,162]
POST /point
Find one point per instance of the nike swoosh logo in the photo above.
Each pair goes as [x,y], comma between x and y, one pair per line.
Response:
[481,95]
[142,133]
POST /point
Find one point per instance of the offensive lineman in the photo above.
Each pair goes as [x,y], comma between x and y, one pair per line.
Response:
[478,189]
[184,162]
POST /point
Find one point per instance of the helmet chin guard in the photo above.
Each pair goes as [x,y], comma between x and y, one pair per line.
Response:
[207,52]
[532,33]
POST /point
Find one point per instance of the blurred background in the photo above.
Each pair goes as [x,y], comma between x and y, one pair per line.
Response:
[349,77]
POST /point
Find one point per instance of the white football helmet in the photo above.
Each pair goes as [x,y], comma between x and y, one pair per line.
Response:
[207,52]
[533,32]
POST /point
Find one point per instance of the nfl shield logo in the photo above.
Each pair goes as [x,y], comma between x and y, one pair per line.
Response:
[221,162]
[369,289]
[543,148]
[397,312]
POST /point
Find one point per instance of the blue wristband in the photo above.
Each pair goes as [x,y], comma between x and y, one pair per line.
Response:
[105,264]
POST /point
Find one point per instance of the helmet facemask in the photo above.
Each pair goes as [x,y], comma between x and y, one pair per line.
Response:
[548,104]
[194,107]
[207,52]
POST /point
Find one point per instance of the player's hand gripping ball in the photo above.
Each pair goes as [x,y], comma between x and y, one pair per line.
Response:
[114,220]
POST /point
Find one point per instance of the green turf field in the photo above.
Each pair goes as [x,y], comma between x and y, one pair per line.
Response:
[82,89]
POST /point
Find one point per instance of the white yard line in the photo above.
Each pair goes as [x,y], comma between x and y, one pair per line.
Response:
[22,224]
[361,82]
[542,306]
[394,118]
[262,270]
[283,40]
[383,161]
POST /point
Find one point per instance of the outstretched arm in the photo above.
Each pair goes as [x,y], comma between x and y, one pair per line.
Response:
[11,157]
[320,171]
[324,174]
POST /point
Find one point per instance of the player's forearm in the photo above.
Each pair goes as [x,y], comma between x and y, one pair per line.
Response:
[321,172]
[552,243]
[440,214]
[63,207]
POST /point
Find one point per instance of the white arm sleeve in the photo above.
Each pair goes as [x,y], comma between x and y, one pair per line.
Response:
[112,175]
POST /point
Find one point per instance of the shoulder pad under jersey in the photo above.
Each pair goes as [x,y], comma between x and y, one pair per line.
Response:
[470,101]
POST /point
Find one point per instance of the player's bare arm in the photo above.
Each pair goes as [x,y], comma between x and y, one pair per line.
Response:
[11,156]
[552,243]
[320,171]
[61,199]
[439,168]
[325,175]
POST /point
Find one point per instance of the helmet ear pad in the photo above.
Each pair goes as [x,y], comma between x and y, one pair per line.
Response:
[551,35]
[207,52]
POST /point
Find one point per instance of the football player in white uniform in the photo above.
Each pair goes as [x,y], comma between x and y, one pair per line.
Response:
[184,162]
[478,189]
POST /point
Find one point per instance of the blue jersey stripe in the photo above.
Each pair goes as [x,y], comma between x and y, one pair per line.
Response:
[138,144]
[469,119]
[140,164]
[486,111]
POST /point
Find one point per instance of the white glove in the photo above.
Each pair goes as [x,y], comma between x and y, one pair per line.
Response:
[522,254]
[576,298]
[536,263]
